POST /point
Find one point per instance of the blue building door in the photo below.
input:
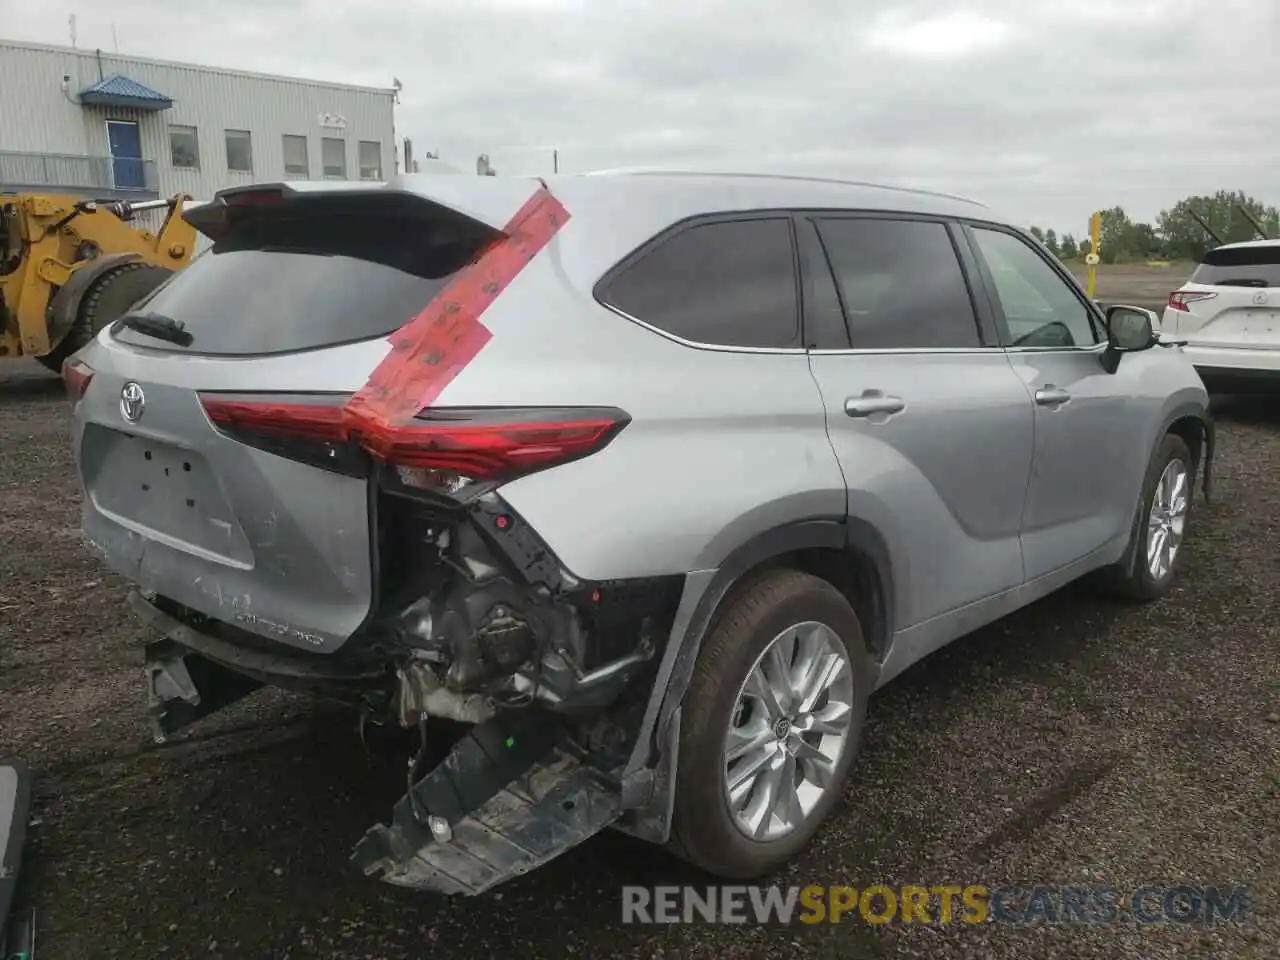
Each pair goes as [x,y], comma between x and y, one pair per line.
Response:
[126,155]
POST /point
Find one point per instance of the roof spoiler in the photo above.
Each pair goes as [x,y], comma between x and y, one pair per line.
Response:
[489,202]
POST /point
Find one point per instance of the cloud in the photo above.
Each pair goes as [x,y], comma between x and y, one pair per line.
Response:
[1046,109]
[953,34]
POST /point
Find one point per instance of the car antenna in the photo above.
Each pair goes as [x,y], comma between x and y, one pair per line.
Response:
[1262,234]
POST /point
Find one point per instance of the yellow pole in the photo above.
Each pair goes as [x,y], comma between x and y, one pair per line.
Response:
[1092,258]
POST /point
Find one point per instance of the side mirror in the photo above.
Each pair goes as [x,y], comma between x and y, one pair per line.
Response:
[1129,330]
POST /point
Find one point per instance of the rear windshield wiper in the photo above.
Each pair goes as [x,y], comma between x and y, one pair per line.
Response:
[159,326]
[1243,282]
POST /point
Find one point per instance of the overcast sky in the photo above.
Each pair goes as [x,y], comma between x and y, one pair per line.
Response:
[1046,109]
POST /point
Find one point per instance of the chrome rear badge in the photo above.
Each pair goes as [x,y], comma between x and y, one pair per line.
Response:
[132,402]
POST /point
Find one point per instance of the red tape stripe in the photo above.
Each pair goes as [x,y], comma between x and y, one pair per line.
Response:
[429,351]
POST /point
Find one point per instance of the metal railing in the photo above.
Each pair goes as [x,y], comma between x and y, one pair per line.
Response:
[96,176]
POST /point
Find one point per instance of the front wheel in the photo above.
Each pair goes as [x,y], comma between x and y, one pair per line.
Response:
[1160,528]
[771,725]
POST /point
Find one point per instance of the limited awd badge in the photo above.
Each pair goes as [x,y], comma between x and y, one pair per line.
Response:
[132,402]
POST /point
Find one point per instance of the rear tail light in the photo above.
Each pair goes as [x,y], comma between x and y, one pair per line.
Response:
[440,450]
[216,218]
[447,450]
[1181,299]
[254,197]
[76,375]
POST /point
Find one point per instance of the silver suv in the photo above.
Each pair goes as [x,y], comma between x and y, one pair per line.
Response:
[644,481]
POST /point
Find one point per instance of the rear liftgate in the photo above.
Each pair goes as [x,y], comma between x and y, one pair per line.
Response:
[476,620]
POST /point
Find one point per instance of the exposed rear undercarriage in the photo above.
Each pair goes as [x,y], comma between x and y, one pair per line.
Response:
[475,621]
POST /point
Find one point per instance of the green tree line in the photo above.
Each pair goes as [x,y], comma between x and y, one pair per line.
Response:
[1175,235]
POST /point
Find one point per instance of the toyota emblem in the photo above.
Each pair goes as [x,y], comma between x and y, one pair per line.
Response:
[132,402]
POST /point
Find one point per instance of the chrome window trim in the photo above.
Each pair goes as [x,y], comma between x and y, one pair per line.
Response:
[697,345]
[1099,347]
[864,351]
[992,350]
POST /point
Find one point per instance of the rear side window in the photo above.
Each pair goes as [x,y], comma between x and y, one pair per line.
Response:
[824,327]
[900,283]
[729,284]
[1240,267]
[284,282]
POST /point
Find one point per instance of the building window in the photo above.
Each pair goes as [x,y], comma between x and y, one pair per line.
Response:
[184,148]
[296,163]
[333,157]
[239,151]
[370,160]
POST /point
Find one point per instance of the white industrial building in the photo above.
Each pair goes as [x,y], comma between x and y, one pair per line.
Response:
[114,127]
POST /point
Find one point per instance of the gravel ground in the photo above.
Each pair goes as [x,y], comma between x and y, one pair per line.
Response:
[1076,742]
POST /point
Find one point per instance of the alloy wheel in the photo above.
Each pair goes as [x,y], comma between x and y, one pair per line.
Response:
[789,728]
[1167,519]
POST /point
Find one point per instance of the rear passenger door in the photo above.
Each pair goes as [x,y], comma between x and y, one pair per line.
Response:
[1089,443]
[929,422]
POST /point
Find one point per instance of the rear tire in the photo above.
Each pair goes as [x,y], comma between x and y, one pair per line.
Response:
[108,299]
[720,707]
[1145,578]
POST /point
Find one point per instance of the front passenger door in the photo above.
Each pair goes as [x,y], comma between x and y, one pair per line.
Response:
[1088,443]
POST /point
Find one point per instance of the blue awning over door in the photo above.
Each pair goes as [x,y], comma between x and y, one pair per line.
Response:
[119,91]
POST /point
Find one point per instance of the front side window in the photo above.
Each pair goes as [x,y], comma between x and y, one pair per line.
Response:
[900,284]
[1040,308]
[729,284]
[184,147]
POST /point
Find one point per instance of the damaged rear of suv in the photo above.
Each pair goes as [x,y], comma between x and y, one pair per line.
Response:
[590,467]
[273,474]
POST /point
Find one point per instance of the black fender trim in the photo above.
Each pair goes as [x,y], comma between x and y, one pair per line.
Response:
[657,740]
[65,305]
[1208,433]
[806,535]
[852,533]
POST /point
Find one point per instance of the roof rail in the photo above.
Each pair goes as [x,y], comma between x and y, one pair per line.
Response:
[675,172]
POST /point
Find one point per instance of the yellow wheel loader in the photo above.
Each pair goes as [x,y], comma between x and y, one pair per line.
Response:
[69,267]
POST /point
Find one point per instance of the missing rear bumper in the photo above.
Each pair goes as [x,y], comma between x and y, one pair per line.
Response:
[508,798]
[191,674]
[183,687]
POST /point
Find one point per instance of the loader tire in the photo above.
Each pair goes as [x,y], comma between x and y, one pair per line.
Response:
[106,301]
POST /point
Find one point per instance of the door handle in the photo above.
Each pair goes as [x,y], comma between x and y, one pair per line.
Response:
[872,402]
[1051,396]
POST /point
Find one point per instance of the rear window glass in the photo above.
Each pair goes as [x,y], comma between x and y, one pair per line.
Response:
[1240,266]
[900,283]
[280,283]
[730,284]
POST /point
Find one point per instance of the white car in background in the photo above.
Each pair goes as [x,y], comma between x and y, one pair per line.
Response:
[1228,314]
